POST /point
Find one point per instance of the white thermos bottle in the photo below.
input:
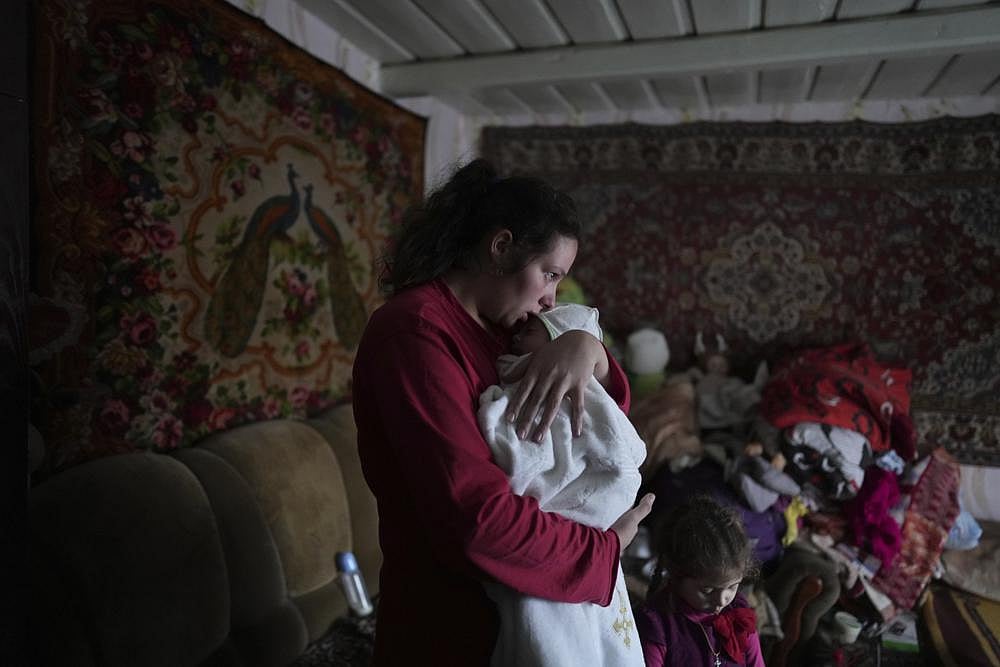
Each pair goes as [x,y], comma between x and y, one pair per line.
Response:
[353,585]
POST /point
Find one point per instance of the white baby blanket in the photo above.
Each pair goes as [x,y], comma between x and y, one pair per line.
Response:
[593,480]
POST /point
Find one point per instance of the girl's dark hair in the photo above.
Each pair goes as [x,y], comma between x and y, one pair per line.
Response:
[702,538]
[444,230]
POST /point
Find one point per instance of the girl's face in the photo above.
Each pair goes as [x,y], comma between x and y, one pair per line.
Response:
[709,594]
[532,289]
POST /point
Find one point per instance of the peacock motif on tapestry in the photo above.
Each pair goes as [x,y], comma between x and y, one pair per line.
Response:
[349,314]
[238,295]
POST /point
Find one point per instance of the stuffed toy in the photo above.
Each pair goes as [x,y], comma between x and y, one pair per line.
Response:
[666,421]
[663,409]
[724,400]
[646,357]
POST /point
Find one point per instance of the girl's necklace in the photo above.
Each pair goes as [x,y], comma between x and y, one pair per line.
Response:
[715,654]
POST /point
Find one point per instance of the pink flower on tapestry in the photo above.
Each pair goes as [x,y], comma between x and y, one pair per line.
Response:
[133,145]
[161,236]
[271,408]
[168,432]
[149,279]
[102,110]
[221,418]
[138,211]
[114,416]
[302,118]
[327,123]
[299,397]
[139,328]
[130,242]
[166,68]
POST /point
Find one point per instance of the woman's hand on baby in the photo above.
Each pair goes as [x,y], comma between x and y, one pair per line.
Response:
[627,524]
[561,368]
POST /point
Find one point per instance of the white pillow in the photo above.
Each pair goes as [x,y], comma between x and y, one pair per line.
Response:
[979,492]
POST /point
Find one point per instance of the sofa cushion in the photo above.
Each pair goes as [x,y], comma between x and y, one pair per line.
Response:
[338,428]
[266,628]
[140,558]
[298,487]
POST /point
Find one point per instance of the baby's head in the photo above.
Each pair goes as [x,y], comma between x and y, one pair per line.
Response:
[705,550]
[548,324]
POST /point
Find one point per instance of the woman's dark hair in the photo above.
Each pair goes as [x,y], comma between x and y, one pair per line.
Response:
[702,538]
[444,230]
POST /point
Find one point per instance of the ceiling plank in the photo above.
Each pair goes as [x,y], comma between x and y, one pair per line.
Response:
[842,81]
[792,12]
[651,20]
[357,29]
[540,99]
[968,74]
[721,16]
[730,89]
[783,86]
[916,33]
[470,24]
[631,94]
[938,4]
[501,102]
[683,92]
[408,25]
[905,78]
[852,9]
[584,97]
[530,22]
[589,21]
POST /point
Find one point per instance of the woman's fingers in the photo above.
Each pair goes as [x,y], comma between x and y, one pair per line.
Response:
[530,404]
[576,411]
[520,395]
[550,405]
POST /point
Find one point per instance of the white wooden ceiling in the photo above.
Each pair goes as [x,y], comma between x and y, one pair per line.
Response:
[511,57]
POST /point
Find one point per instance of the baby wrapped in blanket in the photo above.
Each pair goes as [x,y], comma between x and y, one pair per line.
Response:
[592,479]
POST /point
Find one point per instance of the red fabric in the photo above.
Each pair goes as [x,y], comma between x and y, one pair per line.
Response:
[930,515]
[843,386]
[447,517]
[655,655]
[874,530]
[734,626]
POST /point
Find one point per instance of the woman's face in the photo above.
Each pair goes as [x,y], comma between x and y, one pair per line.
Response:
[533,288]
[709,594]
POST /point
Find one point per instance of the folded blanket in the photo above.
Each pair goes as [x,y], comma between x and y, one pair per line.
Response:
[843,386]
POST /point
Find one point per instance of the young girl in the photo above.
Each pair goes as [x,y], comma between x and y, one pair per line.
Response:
[694,615]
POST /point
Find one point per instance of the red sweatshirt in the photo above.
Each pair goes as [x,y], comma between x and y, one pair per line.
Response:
[447,517]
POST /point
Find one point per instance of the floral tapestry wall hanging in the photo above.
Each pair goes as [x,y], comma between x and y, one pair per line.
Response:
[212,202]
